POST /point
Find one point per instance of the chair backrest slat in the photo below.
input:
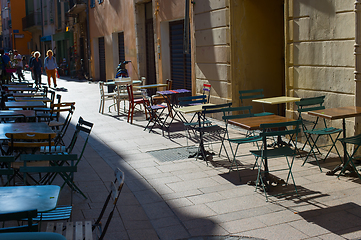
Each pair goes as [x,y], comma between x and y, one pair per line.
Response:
[215,108]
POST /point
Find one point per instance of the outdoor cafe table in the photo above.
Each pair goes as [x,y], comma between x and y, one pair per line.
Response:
[150,86]
[44,198]
[36,127]
[32,99]
[18,85]
[254,123]
[277,101]
[171,98]
[21,113]
[119,80]
[338,113]
[27,105]
[30,94]
[196,109]
[22,89]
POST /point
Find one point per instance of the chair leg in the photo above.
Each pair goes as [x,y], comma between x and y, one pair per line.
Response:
[100,106]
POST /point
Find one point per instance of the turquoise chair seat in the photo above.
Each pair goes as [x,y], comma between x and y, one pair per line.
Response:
[32,236]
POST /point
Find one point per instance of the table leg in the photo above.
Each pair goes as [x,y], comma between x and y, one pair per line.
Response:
[201,152]
[344,160]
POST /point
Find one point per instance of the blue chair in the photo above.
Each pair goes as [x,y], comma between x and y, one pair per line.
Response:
[32,236]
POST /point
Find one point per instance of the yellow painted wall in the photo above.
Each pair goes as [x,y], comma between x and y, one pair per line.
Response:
[17,13]
[320,52]
[211,46]
[106,20]
[257,43]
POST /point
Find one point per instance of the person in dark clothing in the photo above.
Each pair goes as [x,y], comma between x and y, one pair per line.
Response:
[30,64]
[6,63]
[37,68]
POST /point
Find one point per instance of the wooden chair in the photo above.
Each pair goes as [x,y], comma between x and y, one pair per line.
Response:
[57,109]
[121,92]
[85,230]
[22,142]
[19,216]
[133,103]
[105,97]
[46,114]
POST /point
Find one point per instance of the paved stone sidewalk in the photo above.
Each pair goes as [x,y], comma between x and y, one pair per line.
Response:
[179,199]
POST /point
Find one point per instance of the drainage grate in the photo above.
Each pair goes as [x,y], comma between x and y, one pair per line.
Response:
[173,154]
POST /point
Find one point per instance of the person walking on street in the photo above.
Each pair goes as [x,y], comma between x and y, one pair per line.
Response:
[30,63]
[6,61]
[19,65]
[37,68]
[50,67]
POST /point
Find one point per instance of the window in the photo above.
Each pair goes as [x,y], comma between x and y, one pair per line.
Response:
[121,47]
[45,13]
[92,3]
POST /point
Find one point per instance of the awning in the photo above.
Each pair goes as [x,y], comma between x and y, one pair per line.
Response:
[46,38]
[63,36]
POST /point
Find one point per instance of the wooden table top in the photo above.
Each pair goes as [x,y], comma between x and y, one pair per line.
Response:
[22,89]
[193,108]
[30,94]
[173,91]
[277,100]
[113,82]
[24,104]
[18,85]
[253,123]
[37,127]
[21,198]
[26,113]
[32,99]
[337,113]
[151,86]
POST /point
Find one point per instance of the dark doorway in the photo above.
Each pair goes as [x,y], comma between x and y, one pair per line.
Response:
[102,59]
[149,38]
[180,62]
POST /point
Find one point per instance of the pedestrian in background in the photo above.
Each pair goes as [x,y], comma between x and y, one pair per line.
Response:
[37,68]
[30,64]
[19,65]
[50,67]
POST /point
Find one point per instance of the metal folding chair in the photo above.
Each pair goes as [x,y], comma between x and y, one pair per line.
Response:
[290,129]
[245,95]
[312,132]
[233,113]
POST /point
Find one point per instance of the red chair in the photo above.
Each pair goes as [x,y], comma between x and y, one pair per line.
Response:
[134,102]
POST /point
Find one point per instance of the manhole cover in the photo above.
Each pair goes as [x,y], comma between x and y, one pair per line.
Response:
[173,154]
